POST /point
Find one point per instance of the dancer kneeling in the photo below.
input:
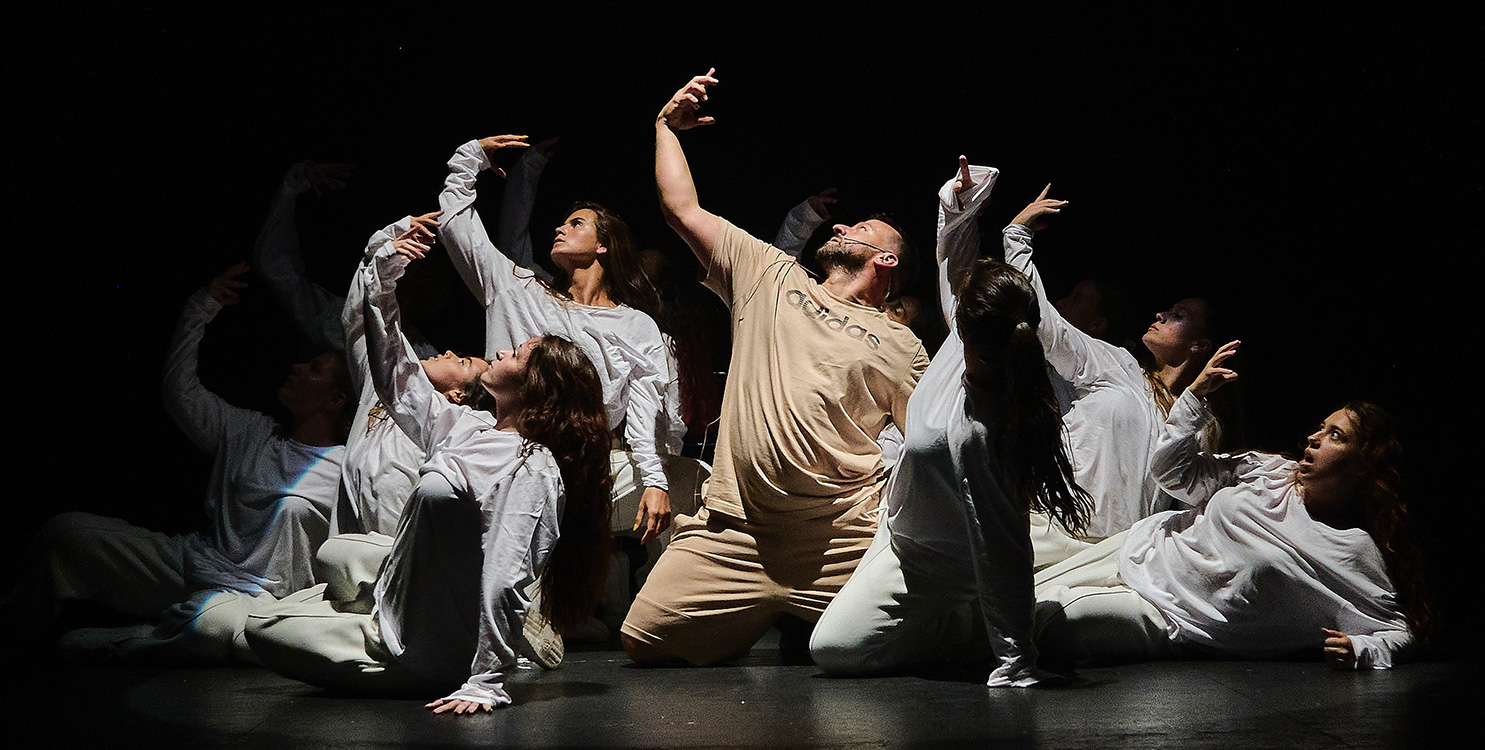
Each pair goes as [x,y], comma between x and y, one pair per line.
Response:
[1277,557]
[983,448]
[499,477]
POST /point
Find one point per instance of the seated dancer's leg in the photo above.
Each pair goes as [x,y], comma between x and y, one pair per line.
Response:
[888,618]
[348,565]
[708,598]
[1081,624]
[106,560]
[206,629]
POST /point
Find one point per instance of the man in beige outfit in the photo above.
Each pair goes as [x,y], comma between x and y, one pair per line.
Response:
[818,369]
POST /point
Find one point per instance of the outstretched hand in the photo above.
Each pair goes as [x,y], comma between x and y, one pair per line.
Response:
[223,288]
[415,243]
[1032,217]
[494,143]
[457,706]
[964,182]
[327,178]
[1340,653]
[821,203]
[1214,375]
[680,112]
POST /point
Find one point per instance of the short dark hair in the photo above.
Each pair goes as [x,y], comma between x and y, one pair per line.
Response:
[907,253]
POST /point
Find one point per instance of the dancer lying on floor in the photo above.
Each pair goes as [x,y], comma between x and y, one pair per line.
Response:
[515,488]
[983,448]
[1278,556]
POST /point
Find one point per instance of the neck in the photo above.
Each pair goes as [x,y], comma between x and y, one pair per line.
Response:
[1330,504]
[1176,377]
[863,287]
[507,408]
[587,287]
[320,430]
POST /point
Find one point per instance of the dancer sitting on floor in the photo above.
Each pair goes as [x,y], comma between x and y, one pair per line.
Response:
[1118,405]
[1278,556]
[514,489]
[983,448]
[271,491]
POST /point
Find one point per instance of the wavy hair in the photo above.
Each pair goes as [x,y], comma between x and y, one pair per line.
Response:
[997,315]
[562,409]
[1384,516]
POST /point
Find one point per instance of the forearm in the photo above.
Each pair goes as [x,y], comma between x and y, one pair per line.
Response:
[958,245]
[352,320]
[799,224]
[278,259]
[418,409]
[199,413]
[1179,464]
[1381,650]
[482,266]
[678,200]
[513,235]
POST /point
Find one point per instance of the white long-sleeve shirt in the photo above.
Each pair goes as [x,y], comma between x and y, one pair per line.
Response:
[946,494]
[1249,571]
[381,462]
[624,344]
[516,483]
[253,546]
[1113,422]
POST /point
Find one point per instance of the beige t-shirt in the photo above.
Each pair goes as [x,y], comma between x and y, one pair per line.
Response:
[813,381]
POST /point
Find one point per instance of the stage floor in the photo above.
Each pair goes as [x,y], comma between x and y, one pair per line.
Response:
[598,699]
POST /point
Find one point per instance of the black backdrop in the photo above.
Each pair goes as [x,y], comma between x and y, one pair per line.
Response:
[1295,168]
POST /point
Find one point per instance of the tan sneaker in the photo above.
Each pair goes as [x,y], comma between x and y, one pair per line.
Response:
[540,642]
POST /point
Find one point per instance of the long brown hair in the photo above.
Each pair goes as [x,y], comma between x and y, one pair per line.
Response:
[562,409]
[624,278]
[997,315]
[1384,516]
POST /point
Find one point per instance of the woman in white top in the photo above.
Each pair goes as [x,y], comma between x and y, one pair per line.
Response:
[982,449]
[602,302]
[1119,403]
[1277,556]
[515,488]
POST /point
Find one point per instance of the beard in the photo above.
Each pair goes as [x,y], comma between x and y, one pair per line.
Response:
[838,253]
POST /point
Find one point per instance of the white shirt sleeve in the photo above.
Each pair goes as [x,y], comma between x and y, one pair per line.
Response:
[1189,474]
[417,407]
[645,423]
[277,258]
[1380,649]
[485,270]
[513,235]
[351,316]
[1072,353]
[958,245]
[206,418]
[799,224]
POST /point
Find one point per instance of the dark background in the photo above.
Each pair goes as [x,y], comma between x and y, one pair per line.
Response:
[1300,169]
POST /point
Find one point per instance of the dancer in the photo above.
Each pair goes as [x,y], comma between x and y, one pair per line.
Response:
[381,466]
[1118,405]
[602,307]
[817,371]
[269,498]
[514,489]
[1277,556]
[983,448]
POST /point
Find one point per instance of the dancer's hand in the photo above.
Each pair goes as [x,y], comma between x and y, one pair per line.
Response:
[223,288]
[1031,217]
[821,203]
[494,143]
[327,178]
[654,513]
[1339,652]
[680,112]
[426,225]
[457,706]
[964,183]
[1214,375]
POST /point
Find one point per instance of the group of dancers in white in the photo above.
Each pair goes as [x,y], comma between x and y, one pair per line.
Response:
[424,518]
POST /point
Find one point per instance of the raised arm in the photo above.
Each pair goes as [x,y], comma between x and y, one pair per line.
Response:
[802,221]
[352,320]
[484,268]
[513,235]
[280,262]
[678,201]
[1069,350]
[1180,465]
[959,200]
[204,416]
[423,413]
